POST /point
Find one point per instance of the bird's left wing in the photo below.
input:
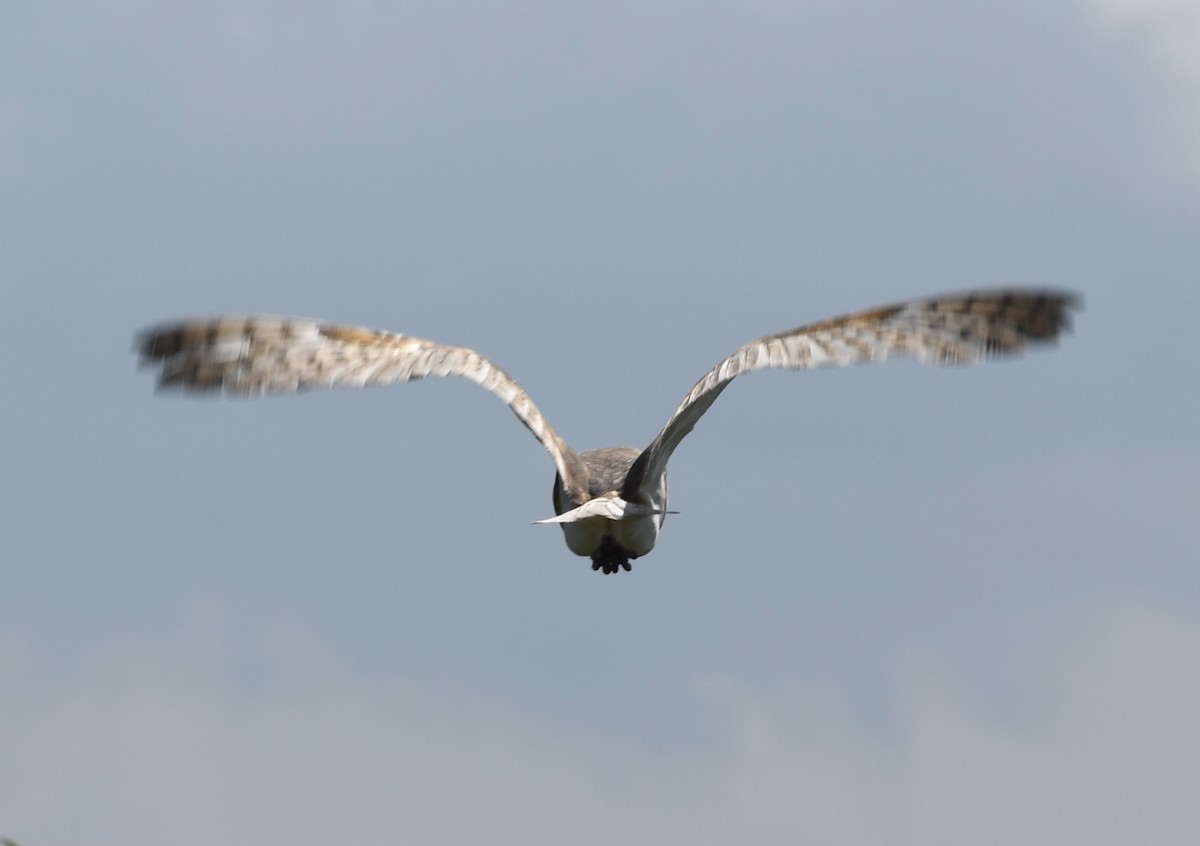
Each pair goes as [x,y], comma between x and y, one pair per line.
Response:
[954,329]
[253,356]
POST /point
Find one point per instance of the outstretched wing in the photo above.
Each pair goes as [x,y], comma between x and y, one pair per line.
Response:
[954,329]
[254,356]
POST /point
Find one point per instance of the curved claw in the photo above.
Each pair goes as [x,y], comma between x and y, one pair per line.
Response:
[609,567]
[610,557]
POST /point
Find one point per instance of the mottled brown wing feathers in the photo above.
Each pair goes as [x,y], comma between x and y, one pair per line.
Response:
[955,329]
[258,355]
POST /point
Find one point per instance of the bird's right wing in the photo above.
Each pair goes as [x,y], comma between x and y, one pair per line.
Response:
[253,356]
[954,329]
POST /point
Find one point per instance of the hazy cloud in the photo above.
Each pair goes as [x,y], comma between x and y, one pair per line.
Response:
[167,740]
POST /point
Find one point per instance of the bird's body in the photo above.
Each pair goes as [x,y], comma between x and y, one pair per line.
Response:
[611,503]
[611,530]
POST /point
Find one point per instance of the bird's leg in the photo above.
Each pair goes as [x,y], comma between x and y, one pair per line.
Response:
[611,566]
[610,557]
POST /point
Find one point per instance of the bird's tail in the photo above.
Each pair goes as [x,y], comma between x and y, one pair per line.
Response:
[608,507]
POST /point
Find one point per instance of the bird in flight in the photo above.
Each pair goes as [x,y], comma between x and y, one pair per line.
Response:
[611,502]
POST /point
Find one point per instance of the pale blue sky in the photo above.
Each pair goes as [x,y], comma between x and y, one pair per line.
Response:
[901,605]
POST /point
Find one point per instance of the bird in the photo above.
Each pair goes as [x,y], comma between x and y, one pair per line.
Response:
[610,503]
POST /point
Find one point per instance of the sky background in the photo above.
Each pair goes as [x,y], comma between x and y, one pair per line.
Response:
[900,605]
